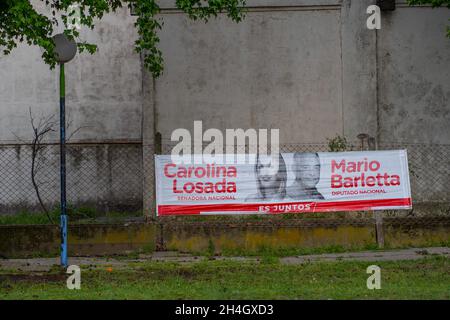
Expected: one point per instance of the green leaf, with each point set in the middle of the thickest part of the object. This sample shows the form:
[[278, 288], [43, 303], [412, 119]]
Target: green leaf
[[19, 21]]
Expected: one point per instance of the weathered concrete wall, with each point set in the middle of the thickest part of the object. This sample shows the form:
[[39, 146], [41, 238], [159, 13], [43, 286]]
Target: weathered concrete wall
[[103, 99], [265, 236], [414, 76], [414, 93], [310, 68], [416, 231], [103, 91], [270, 236], [26, 241], [314, 70], [276, 69]]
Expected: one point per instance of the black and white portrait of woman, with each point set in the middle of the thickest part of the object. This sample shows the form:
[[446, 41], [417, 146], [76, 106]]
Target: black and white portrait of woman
[[306, 167], [271, 179]]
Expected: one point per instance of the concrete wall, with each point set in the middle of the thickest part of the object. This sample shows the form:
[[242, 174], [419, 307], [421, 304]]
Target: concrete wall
[[308, 67], [311, 66], [267, 235], [414, 76], [277, 69], [103, 94], [311, 69], [103, 100], [84, 240]]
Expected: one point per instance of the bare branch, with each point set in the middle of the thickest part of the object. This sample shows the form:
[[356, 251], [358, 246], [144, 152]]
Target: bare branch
[[41, 130], [18, 138], [75, 131], [69, 125], [45, 126]]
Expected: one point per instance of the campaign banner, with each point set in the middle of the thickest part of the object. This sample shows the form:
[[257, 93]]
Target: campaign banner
[[285, 183]]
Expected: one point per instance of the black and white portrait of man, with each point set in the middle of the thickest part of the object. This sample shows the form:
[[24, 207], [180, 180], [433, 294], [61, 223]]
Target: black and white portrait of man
[[271, 179], [306, 168]]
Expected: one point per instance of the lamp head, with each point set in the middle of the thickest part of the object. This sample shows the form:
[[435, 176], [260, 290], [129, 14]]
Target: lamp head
[[65, 48]]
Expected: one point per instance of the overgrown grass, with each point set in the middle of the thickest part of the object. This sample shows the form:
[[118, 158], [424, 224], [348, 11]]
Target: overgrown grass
[[297, 251], [428, 278], [76, 215], [91, 215], [24, 218]]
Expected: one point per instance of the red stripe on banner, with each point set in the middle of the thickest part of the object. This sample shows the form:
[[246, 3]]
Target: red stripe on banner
[[288, 207], [361, 205]]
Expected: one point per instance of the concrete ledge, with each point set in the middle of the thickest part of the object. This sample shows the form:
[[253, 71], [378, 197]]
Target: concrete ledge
[[38, 240], [28, 240], [254, 238], [400, 232], [222, 237], [111, 239]]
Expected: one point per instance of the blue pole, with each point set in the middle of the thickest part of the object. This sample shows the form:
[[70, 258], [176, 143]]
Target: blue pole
[[62, 130]]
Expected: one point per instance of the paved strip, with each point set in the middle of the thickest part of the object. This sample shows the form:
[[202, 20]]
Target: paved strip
[[405, 254], [46, 264]]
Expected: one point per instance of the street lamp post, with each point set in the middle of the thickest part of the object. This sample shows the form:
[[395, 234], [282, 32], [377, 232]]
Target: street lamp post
[[65, 50]]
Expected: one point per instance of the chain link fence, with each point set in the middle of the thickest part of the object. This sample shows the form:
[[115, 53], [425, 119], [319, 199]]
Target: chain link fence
[[101, 177], [114, 177]]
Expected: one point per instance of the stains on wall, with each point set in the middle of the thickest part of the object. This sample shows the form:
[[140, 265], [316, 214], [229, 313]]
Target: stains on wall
[[204, 237], [414, 76]]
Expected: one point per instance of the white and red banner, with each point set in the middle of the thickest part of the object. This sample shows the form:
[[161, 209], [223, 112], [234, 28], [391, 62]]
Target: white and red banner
[[286, 183]]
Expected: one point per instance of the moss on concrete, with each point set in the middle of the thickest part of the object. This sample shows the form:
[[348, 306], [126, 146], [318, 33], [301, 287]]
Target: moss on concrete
[[210, 237]]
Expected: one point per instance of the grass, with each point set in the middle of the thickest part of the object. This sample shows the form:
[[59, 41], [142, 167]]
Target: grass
[[27, 218], [79, 215], [297, 251], [90, 215], [428, 278]]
